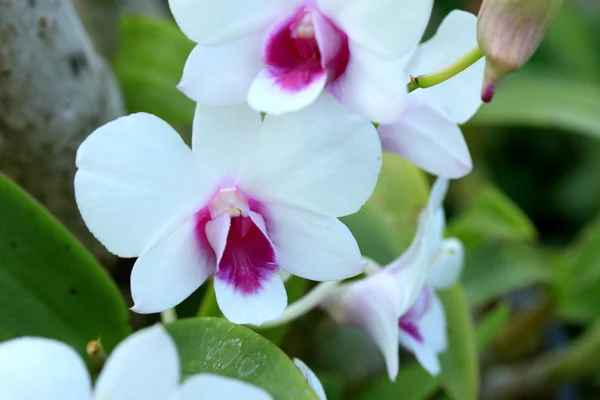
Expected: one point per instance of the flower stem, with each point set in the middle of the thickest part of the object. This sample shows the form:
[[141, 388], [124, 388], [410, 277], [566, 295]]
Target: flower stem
[[304, 305], [168, 316], [450, 71]]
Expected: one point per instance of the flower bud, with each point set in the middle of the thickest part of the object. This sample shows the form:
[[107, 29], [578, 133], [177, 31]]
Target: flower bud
[[509, 32]]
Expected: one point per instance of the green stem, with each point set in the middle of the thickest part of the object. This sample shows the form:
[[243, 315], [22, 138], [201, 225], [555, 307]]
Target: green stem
[[168, 316], [450, 71]]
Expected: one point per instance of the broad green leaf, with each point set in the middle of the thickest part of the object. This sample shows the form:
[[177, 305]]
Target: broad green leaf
[[148, 63], [385, 225], [544, 102], [412, 383], [218, 346], [459, 364], [493, 270], [491, 324], [579, 287], [492, 216], [50, 286]]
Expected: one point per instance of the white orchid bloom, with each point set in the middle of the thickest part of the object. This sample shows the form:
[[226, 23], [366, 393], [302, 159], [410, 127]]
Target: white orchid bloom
[[280, 55], [396, 304], [250, 199], [143, 366], [427, 132]]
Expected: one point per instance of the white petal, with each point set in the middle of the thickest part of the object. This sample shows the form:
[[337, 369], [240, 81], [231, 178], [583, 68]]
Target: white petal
[[312, 246], [323, 158], [217, 231], [374, 305], [143, 366], [210, 386], [266, 305], [312, 378], [268, 94], [448, 264], [372, 86], [211, 22], [224, 138], [36, 368], [386, 27], [460, 97], [222, 74], [171, 270], [135, 175], [432, 327], [426, 138]]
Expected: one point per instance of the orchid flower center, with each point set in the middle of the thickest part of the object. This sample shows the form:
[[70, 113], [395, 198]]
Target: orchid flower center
[[409, 322], [302, 47], [244, 255]]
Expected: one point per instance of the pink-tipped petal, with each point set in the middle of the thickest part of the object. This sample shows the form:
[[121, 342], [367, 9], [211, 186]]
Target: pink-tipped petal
[[222, 75], [276, 91], [426, 138]]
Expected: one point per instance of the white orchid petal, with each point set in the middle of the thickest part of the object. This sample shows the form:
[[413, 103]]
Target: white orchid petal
[[374, 305], [389, 28], [448, 264], [214, 22], [224, 139], [37, 368], [323, 158], [217, 231], [210, 386], [312, 378], [135, 175], [171, 270], [426, 138], [267, 304], [312, 246], [143, 366], [460, 97], [222, 75], [372, 86]]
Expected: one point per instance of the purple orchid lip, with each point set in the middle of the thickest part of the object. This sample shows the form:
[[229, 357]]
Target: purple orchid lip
[[247, 258], [303, 47]]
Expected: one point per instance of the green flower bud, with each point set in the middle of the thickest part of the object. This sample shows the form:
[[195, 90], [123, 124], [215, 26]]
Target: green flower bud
[[509, 32]]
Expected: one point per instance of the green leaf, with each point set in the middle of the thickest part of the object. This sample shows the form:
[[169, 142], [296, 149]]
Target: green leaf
[[491, 324], [494, 270], [492, 216], [412, 383], [50, 285], [544, 102], [579, 286], [148, 63], [385, 226], [459, 364], [218, 346]]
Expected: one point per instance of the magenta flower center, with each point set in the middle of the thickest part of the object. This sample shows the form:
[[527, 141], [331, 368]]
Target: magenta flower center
[[244, 256], [409, 322], [305, 47]]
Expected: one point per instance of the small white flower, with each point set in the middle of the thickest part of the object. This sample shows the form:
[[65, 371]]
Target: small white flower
[[426, 132], [311, 378], [143, 366], [397, 304], [249, 201], [280, 55]]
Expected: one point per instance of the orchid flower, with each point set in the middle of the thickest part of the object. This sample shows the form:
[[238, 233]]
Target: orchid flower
[[280, 55], [250, 200], [396, 304], [143, 366], [426, 132], [311, 378]]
